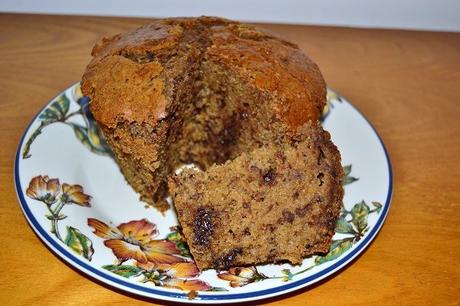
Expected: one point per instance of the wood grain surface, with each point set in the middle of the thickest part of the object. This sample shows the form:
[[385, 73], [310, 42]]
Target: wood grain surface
[[406, 83]]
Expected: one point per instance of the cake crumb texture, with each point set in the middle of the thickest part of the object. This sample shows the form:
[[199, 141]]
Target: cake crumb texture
[[276, 203]]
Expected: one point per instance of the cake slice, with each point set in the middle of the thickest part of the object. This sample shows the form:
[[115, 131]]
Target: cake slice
[[277, 203]]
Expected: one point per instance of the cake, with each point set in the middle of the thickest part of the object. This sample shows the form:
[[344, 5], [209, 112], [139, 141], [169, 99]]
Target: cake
[[243, 106], [196, 90], [276, 203]]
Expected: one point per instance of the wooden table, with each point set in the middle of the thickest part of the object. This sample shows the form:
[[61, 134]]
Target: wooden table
[[406, 83]]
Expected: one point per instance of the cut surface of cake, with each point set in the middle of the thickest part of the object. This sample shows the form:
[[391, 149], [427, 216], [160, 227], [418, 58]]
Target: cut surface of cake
[[196, 90], [279, 202]]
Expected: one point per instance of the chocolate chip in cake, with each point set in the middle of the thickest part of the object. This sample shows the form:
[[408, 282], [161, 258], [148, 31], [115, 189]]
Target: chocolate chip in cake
[[225, 261], [244, 115], [203, 226], [287, 216], [321, 156], [295, 195], [269, 177], [271, 228], [320, 177], [303, 211]]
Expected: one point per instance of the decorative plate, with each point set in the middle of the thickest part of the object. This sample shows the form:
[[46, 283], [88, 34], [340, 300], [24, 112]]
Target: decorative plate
[[77, 201]]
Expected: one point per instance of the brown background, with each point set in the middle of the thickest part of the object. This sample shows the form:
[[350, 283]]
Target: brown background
[[406, 83]]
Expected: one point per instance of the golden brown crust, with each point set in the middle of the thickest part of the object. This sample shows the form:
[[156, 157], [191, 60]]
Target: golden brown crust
[[128, 101], [276, 67], [120, 84], [159, 35]]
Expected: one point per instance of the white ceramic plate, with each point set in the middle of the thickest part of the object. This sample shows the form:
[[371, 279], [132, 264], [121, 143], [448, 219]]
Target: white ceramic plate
[[77, 201]]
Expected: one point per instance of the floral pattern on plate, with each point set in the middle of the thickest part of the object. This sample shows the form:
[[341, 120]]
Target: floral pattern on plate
[[163, 262], [55, 196]]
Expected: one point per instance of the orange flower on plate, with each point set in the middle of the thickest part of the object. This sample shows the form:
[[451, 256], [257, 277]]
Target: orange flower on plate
[[239, 277], [186, 284], [43, 189], [134, 240], [182, 270], [178, 270], [74, 194]]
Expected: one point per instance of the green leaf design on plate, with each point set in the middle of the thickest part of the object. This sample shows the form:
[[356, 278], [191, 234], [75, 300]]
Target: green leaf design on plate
[[359, 214], [58, 218], [78, 242], [288, 275], [347, 179], [57, 110], [343, 226], [217, 289], [347, 169], [378, 206], [174, 236], [123, 270], [338, 247], [184, 251], [177, 238], [81, 133]]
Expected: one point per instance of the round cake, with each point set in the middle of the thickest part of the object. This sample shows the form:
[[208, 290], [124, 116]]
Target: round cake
[[197, 90]]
